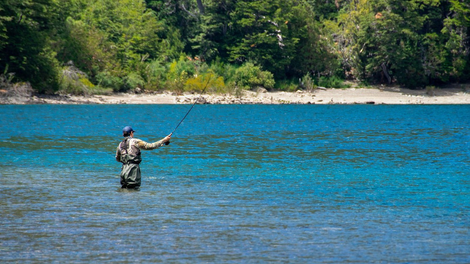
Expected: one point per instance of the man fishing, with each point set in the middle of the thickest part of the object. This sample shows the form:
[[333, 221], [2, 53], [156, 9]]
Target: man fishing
[[128, 153]]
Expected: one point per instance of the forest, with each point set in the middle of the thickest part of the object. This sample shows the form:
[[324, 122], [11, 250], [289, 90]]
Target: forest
[[105, 46]]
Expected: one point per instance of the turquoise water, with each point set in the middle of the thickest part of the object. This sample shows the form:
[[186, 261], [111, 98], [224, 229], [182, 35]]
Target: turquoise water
[[238, 184]]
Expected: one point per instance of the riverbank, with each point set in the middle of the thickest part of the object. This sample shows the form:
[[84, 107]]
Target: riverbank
[[384, 95]]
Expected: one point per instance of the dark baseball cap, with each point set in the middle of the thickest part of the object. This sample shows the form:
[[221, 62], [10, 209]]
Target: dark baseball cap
[[127, 129]]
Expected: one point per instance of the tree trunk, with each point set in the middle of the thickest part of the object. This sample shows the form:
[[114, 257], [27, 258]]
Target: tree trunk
[[200, 6], [384, 68]]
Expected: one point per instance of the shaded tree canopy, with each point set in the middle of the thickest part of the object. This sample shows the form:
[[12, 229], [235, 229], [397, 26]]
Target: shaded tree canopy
[[123, 44]]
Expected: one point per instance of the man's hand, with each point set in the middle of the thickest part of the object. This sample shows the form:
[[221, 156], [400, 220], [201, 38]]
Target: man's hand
[[166, 139]]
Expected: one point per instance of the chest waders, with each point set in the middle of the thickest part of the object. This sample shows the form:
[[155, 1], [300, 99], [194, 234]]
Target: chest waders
[[130, 171]]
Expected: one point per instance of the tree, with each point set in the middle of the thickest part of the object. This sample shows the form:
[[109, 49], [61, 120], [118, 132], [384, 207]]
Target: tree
[[351, 34], [457, 32], [24, 49], [113, 39], [312, 52], [398, 42], [175, 26]]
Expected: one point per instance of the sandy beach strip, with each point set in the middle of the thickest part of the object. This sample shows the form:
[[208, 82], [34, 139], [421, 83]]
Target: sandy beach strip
[[388, 95]]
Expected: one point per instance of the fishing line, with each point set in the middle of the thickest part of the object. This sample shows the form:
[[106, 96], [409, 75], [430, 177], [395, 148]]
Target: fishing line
[[195, 102]]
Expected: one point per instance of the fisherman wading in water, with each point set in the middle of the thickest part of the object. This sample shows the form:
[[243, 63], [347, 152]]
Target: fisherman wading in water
[[128, 153]]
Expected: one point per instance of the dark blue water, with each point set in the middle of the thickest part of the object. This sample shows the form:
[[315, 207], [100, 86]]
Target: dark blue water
[[238, 184]]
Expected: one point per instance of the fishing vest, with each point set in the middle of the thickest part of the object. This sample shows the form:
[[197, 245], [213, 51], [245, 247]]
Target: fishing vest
[[129, 152]]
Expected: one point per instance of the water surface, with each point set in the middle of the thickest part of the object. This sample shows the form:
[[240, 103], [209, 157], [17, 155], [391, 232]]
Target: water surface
[[238, 184]]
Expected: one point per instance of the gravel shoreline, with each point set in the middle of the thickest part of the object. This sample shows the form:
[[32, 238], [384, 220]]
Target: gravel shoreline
[[387, 95]]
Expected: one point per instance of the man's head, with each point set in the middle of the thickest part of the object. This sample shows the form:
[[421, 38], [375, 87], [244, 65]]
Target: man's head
[[127, 131]]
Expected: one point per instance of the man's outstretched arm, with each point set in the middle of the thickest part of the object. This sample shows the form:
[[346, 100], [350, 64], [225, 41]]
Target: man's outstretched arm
[[148, 146]]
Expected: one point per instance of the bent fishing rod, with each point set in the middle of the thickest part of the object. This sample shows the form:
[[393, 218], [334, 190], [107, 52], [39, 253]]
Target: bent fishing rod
[[195, 102]]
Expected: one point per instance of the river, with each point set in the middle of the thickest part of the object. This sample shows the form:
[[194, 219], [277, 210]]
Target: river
[[237, 184]]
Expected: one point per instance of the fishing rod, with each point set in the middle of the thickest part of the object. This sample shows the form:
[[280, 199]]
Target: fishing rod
[[195, 102]]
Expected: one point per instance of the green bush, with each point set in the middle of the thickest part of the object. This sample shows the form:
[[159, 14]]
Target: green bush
[[227, 71], [331, 82], [177, 83], [181, 67], [155, 75], [308, 83], [107, 80], [290, 85], [132, 81], [205, 81], [250, 76], [73, 81]]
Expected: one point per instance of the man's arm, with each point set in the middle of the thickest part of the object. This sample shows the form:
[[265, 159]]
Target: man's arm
[[148, 146], [118, 155]]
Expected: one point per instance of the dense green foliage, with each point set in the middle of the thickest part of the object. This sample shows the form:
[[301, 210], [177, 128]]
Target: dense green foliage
[[25, 27], [94, 46]]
